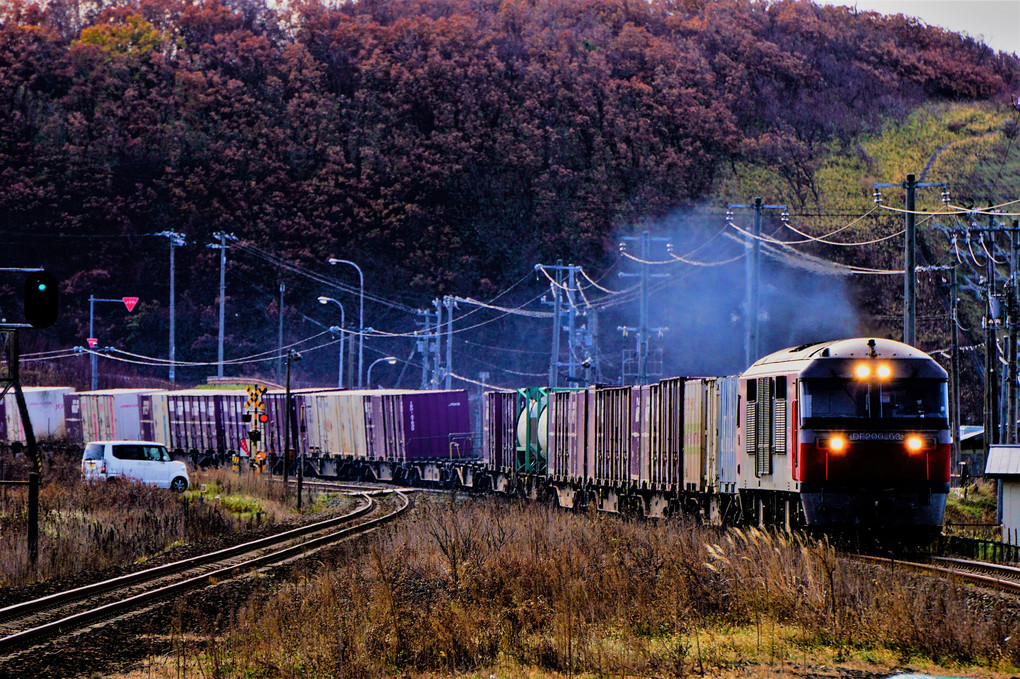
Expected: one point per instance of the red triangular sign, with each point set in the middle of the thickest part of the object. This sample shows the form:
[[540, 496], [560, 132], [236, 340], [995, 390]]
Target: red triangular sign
[[93, 342], [130, 302]]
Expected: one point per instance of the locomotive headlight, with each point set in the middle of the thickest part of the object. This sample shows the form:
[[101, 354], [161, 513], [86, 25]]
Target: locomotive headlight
[[837, 443], [862, 371], [884, 372], [916, 444]]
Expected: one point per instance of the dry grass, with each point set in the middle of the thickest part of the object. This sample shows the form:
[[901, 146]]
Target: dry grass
[[970, 507], [473, 586], [94, 526]]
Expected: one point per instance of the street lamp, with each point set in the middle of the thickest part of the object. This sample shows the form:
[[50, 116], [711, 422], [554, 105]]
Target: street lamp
[[340, 370], [361, 314], [392, 360]]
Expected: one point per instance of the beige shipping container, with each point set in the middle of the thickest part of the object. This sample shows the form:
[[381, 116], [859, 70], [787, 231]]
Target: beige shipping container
[[336, 423], [694, 434], [111, 414], [710, 436]]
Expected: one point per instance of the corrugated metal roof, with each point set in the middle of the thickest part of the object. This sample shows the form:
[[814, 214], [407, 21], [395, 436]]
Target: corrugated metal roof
[[1003, 461]]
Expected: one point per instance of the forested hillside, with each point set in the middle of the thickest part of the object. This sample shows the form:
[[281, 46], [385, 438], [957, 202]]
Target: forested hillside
[[448, 146]]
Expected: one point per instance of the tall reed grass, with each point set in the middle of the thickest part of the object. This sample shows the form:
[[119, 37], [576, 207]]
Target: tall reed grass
[[471, 585]]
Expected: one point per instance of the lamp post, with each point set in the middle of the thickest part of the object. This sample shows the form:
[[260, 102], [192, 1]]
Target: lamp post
[[340, 370], [392, 360], [361, 314]]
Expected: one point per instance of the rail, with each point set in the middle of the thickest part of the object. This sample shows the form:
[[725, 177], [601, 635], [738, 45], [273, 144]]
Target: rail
[[282, 547], [981, 573]]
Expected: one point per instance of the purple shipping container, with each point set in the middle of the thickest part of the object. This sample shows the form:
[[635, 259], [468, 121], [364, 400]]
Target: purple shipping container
[[436, 425], [568, 434], [500, 430], [610, 434], [109, 414], [273, 431], [203, 419], [393, 425]]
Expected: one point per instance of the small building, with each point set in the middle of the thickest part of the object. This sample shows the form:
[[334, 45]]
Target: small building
[[1004, 466]]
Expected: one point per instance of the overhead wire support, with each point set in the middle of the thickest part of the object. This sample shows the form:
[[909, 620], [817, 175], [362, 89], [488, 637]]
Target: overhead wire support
[[752, 316], [642, 330], [910, 249], [579, 337]]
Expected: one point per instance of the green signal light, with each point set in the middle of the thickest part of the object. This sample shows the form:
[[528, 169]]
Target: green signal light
[[42, 287]]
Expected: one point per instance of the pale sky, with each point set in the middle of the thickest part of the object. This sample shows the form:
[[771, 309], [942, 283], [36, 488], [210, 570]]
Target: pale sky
[[994, 22]]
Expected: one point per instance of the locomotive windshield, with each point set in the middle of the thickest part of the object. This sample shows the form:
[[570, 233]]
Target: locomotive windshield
[[897, 399]]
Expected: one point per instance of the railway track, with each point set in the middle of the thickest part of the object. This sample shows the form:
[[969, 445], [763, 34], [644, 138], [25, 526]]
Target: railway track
[[980, 573], [347, 486], [28, 623]]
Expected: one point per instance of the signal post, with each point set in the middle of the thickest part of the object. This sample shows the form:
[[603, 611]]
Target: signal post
[[41, 300], [255, 415]]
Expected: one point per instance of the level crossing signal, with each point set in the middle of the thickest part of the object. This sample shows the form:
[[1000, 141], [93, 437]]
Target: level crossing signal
[[255, 405]]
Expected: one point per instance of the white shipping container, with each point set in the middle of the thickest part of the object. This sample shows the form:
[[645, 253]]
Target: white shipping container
[[45, 408]]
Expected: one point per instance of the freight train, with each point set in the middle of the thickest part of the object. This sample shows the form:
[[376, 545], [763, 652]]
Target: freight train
[[837, 435]]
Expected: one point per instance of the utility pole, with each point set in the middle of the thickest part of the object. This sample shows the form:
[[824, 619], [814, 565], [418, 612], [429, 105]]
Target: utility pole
[[752, 278], [437, 369], [428, 347], [554, 360], [991, 423], [1014, 309], [176, 240], [955, 364], [910, 251], [279, 339], [910, 265], [10, 378], [450, 304], [222, 246]]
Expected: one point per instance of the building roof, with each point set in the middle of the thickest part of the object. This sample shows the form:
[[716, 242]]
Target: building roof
[[1003, 461]]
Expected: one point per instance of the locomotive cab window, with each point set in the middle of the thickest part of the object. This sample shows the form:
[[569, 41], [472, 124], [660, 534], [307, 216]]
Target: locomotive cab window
[[828, 398]]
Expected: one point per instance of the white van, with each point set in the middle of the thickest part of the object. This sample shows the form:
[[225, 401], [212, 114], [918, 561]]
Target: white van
[[142, 461]]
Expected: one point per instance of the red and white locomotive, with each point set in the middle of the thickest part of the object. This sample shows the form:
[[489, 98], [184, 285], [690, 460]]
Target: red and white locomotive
[[850, 433]]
